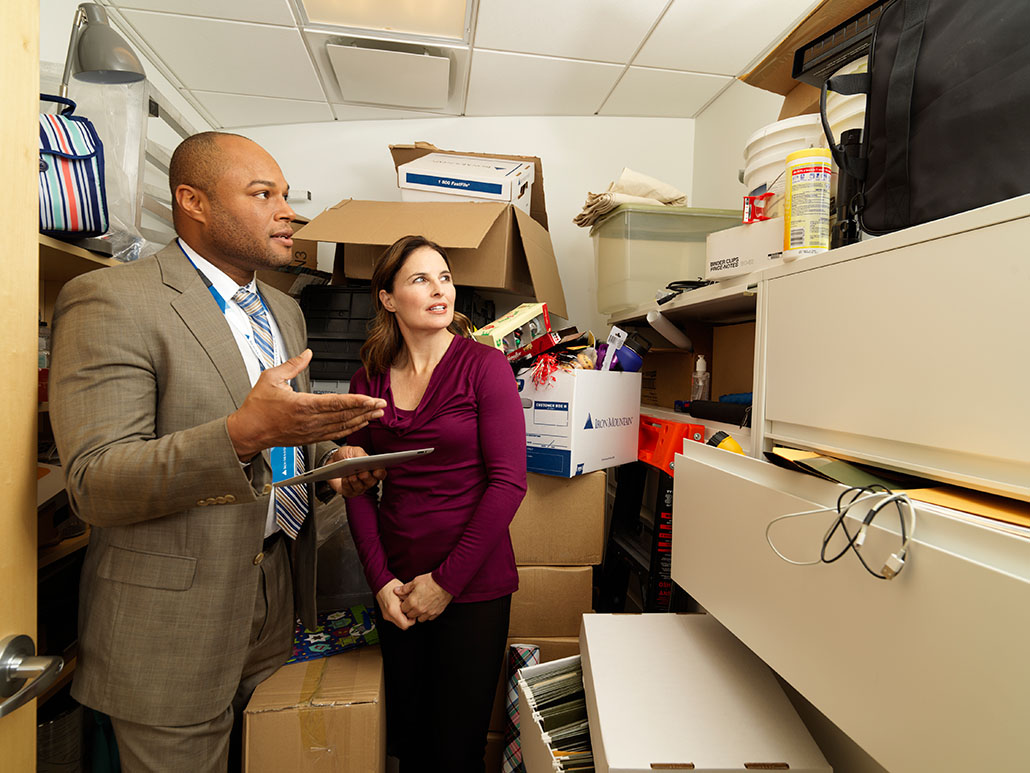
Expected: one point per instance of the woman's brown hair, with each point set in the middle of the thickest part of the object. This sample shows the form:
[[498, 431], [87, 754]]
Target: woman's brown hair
[[385, 344]]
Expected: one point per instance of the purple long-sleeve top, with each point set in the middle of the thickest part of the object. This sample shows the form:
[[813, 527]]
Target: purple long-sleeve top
[[447, 512]]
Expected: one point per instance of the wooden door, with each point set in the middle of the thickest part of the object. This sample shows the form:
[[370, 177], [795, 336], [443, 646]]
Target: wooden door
[[19, 289]]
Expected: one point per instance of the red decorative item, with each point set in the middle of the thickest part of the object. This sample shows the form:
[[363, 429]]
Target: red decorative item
[[544, 370]]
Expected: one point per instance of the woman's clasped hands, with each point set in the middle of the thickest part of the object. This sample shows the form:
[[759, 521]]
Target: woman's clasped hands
[[418, 601]]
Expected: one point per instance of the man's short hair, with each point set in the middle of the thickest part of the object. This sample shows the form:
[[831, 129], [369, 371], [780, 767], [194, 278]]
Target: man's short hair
[[197, 162]]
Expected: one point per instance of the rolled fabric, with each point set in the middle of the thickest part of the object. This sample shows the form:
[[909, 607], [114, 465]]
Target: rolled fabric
[[519, 655], [672, 334]]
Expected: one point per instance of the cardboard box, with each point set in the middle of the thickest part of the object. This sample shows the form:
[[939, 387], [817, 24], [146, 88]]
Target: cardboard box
[[550, 600], [774, 72], [551, 648], [490, 244], [800, 100], [526, 321], [403, 154], [733, 362], [293, 279], [320, 715], [744, 249], [442, 176], [537, 755], [494, 752], [560, 521], [581, 421], [680, 690]]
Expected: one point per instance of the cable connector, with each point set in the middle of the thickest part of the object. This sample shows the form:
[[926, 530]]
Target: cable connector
[[895, 564]]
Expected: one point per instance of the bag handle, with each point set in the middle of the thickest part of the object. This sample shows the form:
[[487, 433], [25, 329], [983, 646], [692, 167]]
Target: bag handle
[[898, 116], [69, 105], [857, 83]]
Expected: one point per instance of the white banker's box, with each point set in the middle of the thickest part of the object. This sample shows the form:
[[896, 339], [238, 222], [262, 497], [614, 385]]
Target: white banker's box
[[444, 176], [581, 421]]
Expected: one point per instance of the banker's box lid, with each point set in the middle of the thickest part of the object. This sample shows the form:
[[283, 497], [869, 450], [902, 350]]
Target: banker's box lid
[[348, 679], [668, 690], [475, 169], [403, 154]]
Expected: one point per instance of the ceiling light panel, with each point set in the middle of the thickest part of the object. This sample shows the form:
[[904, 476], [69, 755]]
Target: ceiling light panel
[[457, 56], [259, 11], [715, 36], [599, 30], [230, 57], [428, 18], [662, 93], [515, 84], [388, 77]]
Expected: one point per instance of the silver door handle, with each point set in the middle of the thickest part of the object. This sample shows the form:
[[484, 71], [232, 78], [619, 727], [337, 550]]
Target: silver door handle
[[18, 666]]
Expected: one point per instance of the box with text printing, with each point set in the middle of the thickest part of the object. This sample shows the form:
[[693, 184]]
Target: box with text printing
[[439, 176], [579, 421]]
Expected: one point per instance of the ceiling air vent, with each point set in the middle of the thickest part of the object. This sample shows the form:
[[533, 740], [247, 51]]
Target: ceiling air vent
[[388, 73]]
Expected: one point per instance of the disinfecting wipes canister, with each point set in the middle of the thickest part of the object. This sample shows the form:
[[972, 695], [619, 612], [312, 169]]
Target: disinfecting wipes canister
[[806, 225]]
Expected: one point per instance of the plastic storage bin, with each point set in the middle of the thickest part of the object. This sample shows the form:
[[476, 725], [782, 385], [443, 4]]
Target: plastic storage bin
[[639, 249], [337, 319]]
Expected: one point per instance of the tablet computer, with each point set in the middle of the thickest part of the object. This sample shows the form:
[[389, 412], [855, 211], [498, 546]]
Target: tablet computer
[[345, 467]]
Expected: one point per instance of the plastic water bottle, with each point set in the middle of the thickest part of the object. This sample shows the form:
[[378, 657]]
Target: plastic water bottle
[[700, 381]]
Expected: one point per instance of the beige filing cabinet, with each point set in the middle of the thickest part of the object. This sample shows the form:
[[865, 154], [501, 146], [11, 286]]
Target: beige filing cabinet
[[909, 351]]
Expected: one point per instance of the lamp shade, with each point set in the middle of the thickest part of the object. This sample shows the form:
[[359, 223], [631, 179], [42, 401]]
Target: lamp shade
[[98, 54], [103, 56]]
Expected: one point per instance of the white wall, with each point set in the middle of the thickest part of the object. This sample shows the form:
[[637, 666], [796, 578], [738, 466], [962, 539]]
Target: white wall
[[720, 135], [352, 160]]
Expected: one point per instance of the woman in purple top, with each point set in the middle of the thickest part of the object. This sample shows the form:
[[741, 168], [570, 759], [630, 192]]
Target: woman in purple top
[[435, 547]]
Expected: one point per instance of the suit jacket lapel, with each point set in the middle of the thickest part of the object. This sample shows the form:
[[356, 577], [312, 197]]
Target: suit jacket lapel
[[199, 312]]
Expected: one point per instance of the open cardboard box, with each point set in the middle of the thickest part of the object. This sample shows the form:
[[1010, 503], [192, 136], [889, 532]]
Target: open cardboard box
[[490, 244]]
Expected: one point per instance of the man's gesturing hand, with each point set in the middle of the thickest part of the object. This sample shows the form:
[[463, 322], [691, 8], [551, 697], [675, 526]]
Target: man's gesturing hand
[[274, 415]]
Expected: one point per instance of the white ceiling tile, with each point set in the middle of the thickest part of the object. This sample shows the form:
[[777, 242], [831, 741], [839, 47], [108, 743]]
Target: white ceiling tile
[[230, 57], [516, 84], [458, 56], [235, 110], [662, 93], [599, 30], [716, 36], [260, 11], [366, 113]]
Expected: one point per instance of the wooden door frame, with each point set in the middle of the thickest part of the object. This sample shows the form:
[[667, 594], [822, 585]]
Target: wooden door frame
[[19, 308]]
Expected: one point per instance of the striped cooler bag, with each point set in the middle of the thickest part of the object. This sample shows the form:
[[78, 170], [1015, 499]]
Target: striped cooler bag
[[72, 199]]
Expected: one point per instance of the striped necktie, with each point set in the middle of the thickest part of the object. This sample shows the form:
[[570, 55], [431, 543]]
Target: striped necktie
[[291, 502]]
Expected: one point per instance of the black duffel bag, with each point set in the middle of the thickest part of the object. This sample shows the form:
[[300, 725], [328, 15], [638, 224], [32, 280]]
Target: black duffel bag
[[947, 121]]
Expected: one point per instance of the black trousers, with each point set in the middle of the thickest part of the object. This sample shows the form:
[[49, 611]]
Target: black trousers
[[441, 677]]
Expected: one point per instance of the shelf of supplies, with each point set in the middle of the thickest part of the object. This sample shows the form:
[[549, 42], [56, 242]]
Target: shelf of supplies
[[740, 434], [70, 660], [60, 261], [729, 301], [49, 555]]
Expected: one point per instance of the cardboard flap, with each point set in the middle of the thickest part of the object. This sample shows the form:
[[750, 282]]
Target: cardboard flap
[[542, 266], [459, 224], [346, 679], [402, 154]]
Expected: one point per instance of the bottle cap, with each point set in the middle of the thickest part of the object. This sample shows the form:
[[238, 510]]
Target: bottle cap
[[700, 366]]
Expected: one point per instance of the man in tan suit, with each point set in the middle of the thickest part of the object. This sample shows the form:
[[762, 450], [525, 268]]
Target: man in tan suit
[[165, 411]]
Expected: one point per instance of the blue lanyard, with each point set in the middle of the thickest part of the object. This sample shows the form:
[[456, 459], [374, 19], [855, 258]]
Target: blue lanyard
[[221, 301]]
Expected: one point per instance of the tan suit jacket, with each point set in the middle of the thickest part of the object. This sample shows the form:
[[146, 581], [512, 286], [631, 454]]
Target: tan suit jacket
[[145, 372]]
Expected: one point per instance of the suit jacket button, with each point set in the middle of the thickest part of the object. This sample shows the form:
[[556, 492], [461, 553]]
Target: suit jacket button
[[201, 502], [229, 499], [268, 488], [259, 558], [220, 500]]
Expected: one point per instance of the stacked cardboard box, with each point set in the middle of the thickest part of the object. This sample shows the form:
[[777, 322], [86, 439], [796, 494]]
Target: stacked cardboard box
[[558, 535], [320, 715]]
